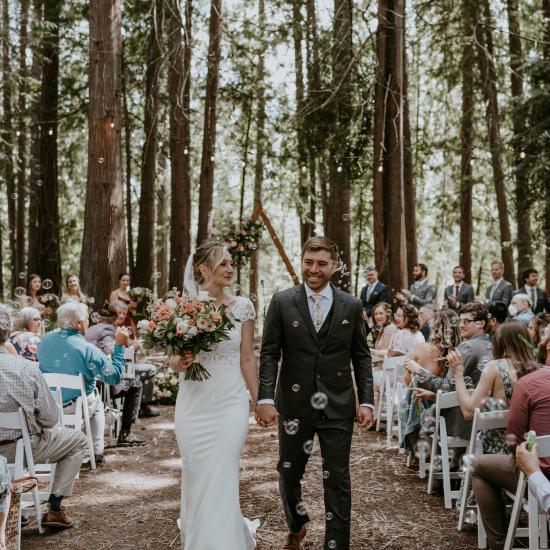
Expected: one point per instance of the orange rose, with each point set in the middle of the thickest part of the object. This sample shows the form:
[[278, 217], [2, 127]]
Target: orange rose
[[152, 326], [164, 313], [215, 316]]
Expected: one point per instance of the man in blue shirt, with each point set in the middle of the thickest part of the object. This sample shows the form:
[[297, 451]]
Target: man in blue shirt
[[66, 351]]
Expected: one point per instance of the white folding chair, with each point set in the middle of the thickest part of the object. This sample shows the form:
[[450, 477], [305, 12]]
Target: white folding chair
[[393, 369], [492, 420], [82, 414], [445, 442], [23, 456], [538, 522]]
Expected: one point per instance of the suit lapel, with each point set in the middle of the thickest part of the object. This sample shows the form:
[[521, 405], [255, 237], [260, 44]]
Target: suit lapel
[[301, 303], [337, 312]]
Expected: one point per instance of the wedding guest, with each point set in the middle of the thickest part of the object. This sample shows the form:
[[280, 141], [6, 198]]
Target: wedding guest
[[426, 313], [102, 335], [421, 291], [520, 309], [73, 292], [22, 385], [120, 294], [67, 352], [539, 299], [536, 327], [28, 333], [528, 462], [459, 293], [124, 317], [544, 347], [529, 410], [512, 360], [33, 290], [374, 293], [5, 498], [500, 290], [407, 334], [498, 313]]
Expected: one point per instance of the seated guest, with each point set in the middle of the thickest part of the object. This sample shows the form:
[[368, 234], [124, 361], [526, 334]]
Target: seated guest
[[22, 385], [72, 292], [528, 462], [407, 335], [529, 410], [459, 293], [537, 326], [5, 497], [125, 318], [544, 347], [539, 299], [426, 315], [512, 360], [102, 335], [28, 332], [520, 309], [66, 351], [33, 290], [498, 313], [500, 290], [372, 294]]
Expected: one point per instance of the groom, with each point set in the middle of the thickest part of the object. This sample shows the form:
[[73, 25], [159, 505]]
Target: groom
[[319, 331]]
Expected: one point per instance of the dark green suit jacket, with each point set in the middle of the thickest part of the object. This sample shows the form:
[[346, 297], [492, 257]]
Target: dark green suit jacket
[[311, 364]]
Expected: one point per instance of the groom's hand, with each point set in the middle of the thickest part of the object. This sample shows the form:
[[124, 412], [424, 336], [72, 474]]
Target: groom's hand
[[364, 417], [266, 415]]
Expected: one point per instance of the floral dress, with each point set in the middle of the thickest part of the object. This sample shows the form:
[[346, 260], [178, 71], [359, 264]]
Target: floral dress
[[5, 485], [26, 344]]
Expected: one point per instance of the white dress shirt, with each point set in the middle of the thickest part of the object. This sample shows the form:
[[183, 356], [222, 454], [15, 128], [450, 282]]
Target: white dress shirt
[[540, 487], [494, 287], [370, 289], [327, 297]]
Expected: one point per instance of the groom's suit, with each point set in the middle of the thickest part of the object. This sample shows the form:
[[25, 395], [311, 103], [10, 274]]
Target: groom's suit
[[315, 362]]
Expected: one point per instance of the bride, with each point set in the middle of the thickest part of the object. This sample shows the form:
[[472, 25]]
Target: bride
[[212, 416]]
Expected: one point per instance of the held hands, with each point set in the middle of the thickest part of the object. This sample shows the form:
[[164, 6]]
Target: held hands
[[420, 394], [455, 363], [364, 417], [122, 336], [179, 363], [266, 415], [527, 462], [412, 366]]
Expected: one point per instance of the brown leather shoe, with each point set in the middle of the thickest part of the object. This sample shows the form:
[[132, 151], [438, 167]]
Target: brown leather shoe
[[294, 540], [59, 519]]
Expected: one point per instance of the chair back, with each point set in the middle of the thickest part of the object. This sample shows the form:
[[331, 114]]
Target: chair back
[[491, 420], [446, 400], [67, 381], [129, 354], [543, 446], [10, 420]]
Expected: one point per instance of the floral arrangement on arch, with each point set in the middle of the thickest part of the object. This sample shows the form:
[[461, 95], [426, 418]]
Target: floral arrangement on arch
[[244, 239]]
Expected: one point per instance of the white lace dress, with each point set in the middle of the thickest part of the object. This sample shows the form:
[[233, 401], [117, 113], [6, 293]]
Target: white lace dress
[[211, 428]]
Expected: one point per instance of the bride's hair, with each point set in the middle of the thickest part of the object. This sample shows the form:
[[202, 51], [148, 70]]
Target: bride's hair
[[210, 254]]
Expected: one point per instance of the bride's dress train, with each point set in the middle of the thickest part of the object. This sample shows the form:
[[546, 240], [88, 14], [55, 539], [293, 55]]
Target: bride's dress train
[[211, 428]]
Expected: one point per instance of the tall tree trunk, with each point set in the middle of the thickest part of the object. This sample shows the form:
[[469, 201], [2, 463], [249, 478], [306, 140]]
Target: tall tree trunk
[[546, 57], [523, 196], [206, 192], [260, 148], [390, 243], [48, 254], [145, 253], [103, 243], [179, 91], [22, 137], [161, 236], [467, 138], [489, 85], [8, 135], [128, 167], [35, 177]]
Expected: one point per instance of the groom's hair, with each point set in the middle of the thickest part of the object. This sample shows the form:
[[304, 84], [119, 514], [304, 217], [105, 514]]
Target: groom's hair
[[314, 244]]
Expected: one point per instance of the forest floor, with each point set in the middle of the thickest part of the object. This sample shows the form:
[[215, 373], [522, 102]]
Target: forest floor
[[133, 501]]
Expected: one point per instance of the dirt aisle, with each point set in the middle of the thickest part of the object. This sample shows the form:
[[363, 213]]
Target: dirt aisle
[[133, 502]]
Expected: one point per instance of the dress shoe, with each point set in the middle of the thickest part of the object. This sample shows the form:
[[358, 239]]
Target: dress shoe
[[148, 412], [294, 540], [99, 460], [57, 519], [126, 439]]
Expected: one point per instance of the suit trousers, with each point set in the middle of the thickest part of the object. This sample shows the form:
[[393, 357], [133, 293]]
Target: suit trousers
[[294, 450], [490, 474]]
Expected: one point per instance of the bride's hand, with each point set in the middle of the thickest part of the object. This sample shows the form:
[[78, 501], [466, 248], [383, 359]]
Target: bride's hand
[[179, 363]]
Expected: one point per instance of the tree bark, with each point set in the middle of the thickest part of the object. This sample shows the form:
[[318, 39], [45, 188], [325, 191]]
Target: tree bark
[[523, 196], [145, 253], [179, 91], [48, 253], [260, 148], [103, 243], [489, 85], [546, 57], [467, 138], [162, 238], [206, 192]]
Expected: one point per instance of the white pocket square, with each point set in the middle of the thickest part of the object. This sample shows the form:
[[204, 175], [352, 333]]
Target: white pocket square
[[345, 322]]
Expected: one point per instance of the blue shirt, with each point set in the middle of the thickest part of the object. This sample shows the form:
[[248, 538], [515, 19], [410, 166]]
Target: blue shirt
[[524, 317], [68, 352]]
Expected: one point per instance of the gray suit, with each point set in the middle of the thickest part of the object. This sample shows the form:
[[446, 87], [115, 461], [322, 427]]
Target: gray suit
[[422, 293], [465, 296], [315, 362], [503, 293]]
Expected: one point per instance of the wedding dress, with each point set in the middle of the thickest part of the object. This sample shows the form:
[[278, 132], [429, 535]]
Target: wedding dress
[[211, 428]]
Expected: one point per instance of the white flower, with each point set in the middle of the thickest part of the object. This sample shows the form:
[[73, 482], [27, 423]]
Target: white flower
[[202, 323], [143, 326], [171, 303], [181, 326], [192, 331]]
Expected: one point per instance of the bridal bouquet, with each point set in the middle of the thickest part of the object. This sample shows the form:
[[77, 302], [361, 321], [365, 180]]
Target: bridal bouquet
[[179, 324], [142, 297]]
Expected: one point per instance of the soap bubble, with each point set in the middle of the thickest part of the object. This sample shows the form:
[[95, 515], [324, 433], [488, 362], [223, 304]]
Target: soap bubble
[[291, 427], [308, 447], [319, 400], [301, 509], [19, 291], [296, 387], [47, 284]]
